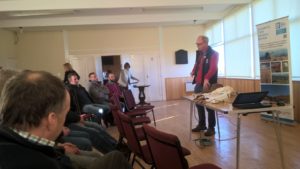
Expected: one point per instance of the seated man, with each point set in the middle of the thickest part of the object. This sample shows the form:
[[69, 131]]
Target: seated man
[[100, 139], [79, 138], [99, 94], [113, 86], [114, 89], [81, 102], [34, 105]]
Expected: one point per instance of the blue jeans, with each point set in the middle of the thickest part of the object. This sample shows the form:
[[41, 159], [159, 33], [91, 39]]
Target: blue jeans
[[100, 139], [100, 110], [97, 109], [80, 139], [201, 112]]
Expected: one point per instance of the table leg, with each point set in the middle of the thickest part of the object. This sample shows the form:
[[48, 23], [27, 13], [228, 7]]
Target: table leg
[[191, 117], [238, 140], [217, 118], [276, 123], [142, 96]]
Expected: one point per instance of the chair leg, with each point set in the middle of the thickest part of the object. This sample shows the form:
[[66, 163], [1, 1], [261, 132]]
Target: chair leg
[[129, 157], [137, 161], [153, 118], [120, 140], [133, 159], [140, 164]]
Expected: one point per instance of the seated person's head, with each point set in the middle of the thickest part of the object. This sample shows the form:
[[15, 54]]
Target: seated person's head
[[126, 65], [93, 76], [36, 102], [67, 66], [73, 79], [111, 77]]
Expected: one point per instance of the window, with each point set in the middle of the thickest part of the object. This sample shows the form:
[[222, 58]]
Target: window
[[238, 44], [235, 37], [215, 34]]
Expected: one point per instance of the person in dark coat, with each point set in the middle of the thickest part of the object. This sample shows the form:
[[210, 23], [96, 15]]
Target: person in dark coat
[[34, 105], [33, 110], [69, 69]]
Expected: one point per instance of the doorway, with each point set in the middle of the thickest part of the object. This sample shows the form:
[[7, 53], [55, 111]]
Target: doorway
[[110, 64]]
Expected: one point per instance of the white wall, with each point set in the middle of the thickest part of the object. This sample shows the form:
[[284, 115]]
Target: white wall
[[45, 50], [7, 49], [175, 38], [41, 51]]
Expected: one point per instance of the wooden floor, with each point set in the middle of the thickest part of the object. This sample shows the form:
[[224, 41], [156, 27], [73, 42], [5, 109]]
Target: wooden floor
[[259, 149]]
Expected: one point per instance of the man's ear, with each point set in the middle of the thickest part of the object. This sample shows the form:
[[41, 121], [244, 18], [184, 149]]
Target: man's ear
[[52, 120]]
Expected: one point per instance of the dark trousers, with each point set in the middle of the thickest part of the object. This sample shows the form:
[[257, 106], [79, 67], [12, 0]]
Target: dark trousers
[[100, 139], [80, 139], [201, 112]]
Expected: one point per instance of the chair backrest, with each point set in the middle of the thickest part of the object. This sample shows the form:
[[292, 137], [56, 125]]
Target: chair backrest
[[116, 102], [114, 89], [130, 134], [117, 120], [165, 149], [129, 99]]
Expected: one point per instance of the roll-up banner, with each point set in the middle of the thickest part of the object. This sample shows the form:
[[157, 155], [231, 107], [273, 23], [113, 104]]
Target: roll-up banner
[[275, 64]]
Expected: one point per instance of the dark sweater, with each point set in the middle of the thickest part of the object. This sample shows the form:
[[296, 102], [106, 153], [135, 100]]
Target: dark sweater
[[18, 153]]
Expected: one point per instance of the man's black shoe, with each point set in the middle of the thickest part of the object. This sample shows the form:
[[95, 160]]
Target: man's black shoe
[[198, 129], [210, 132]]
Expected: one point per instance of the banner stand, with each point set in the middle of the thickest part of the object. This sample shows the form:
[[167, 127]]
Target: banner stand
[[275, 65]]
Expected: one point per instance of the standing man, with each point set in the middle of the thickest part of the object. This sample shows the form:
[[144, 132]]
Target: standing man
[[205, 73], [125, 76]]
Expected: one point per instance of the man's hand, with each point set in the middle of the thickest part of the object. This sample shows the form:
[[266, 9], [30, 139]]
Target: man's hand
[[70, 148], [192, 74], [82, 117], [206, 85], [66, 131]]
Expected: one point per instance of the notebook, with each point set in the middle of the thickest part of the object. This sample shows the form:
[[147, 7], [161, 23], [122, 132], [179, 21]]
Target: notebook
[[250, 100]]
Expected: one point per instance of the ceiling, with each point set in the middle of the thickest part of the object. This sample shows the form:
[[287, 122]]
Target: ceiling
[[67, 14]]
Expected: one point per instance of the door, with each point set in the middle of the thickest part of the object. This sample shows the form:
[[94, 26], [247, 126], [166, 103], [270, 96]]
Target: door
[[83, 65], [145, 67]]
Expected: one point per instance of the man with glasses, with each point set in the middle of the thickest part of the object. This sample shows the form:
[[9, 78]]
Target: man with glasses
[[205, 73]]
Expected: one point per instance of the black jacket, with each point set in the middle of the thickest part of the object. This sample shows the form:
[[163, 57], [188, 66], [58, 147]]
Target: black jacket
[[79, 97], [18, 153]]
